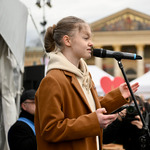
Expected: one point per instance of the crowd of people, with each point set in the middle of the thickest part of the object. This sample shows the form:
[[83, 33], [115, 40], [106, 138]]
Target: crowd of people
[[66, 113], [128, 128]]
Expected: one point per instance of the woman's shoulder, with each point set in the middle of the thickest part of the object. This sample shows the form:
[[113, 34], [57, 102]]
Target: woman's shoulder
[[54, 72], [53, 75], [57, 76]]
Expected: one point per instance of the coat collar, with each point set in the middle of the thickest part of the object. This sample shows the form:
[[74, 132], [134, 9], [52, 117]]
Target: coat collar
[[78, 88]]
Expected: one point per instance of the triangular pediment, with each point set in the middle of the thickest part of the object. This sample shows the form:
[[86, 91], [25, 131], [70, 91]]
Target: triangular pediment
[[125, 20]]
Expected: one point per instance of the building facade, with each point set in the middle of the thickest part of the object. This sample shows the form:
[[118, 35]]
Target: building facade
[[125, 31]]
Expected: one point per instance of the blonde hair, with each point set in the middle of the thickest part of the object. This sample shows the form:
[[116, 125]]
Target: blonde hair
[[55, 33]]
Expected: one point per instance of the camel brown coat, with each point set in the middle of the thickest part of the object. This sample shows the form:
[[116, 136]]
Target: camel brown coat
[[63, 117]]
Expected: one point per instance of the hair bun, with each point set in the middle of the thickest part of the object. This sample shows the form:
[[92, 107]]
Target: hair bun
[[49, 42], [54, 26]]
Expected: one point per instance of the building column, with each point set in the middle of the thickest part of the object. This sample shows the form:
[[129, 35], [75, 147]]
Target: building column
[[99, 61], [117, 71], [140, 63]]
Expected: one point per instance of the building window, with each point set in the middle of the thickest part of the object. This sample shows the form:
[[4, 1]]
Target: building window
[[128, 49], [131, 74], [147, 51]]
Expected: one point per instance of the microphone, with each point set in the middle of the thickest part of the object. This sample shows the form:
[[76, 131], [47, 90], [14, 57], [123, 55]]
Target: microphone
[[113, 54]]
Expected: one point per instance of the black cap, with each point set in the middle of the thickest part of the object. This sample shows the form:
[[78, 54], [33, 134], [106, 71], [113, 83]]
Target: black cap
[[29, 94]]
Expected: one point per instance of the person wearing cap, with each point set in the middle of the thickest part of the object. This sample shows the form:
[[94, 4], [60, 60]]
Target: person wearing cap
[[21, 135]]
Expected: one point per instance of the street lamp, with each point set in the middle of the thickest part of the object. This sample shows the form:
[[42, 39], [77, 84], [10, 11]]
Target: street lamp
[[44, 22], [38, 3], [48, 3]]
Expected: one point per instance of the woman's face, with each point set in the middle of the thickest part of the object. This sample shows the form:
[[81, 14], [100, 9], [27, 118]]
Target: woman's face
[[81, 43]]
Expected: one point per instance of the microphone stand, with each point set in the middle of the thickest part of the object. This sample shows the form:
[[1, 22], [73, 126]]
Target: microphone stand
[[145, 127]]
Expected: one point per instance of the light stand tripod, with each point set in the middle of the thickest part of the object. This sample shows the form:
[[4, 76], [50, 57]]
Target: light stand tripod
[[145, 127]]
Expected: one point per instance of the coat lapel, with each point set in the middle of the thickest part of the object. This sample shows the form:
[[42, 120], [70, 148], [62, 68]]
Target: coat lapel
[[78, 88]]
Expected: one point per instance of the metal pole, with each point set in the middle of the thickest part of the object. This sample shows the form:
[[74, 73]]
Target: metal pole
[[145, 127]]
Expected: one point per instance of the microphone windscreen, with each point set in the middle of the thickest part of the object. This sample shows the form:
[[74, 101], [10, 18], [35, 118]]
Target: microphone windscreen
[[96, 52]]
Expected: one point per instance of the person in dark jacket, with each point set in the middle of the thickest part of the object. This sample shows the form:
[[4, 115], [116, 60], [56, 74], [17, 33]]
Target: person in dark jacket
[[128, 130], [21, 135]]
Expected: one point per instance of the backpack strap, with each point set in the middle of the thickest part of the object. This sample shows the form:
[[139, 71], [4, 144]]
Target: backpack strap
[[28, 122]]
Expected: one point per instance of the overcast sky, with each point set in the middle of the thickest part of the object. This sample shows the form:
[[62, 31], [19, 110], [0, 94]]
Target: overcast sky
[[89, 10]]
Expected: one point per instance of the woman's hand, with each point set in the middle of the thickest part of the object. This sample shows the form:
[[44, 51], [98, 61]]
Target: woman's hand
[[105, 120], [125, 91]]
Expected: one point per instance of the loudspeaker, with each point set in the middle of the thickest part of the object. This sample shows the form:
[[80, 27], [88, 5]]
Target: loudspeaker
[[32, 76]]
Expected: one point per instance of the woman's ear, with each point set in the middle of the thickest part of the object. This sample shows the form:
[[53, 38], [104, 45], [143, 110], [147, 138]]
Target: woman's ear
[[66, 40]]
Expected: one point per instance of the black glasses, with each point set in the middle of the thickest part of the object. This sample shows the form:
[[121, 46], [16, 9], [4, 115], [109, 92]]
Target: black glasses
[[30, 102]]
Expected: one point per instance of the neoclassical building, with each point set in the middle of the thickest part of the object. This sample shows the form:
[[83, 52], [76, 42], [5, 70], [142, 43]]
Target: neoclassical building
[[125, 31]]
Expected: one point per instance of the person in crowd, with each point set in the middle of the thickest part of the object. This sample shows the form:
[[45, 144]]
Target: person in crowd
[[146, 104], [128, 129], [69, 114], [148, 100], [21, 135]]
